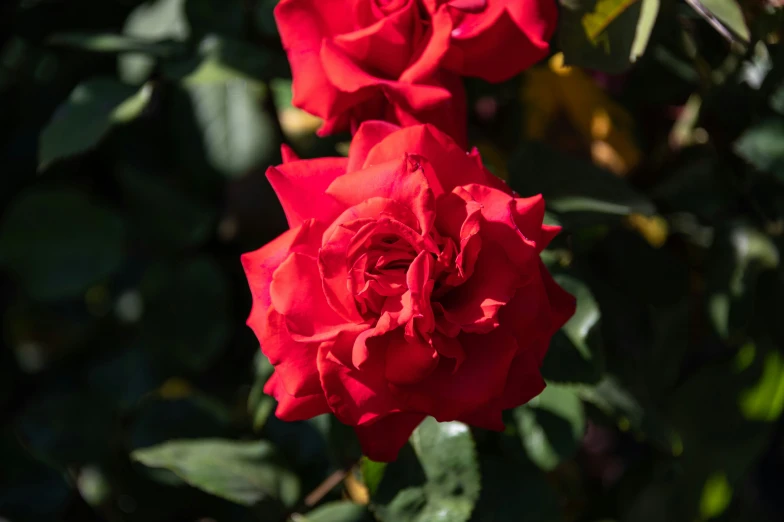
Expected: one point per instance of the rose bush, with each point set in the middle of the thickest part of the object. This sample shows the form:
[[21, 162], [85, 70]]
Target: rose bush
[[401, 60], [409, 284]]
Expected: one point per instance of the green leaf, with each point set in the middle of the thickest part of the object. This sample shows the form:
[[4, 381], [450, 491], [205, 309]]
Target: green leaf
[[87, 115], [762, 145], [551, 426], [260, 406], [237, 134], [187, 323], [58, 242], [222, 59], [608, 35], [575, 353], [739, 255], [155, 22], [337, 512], [116, 43], [438, 480], [164, 216], [726, 16], [245, 472], [572, 186], [372, 473]]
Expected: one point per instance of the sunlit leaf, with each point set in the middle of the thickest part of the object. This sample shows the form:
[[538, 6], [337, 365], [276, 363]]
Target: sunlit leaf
[[116, 43], [438, 480], [338, 512], [575, 353], [726, 16], [245, 472], [87, 115], [237, 134], [551, 426], [607, 35], [762, 145], [157, 21]]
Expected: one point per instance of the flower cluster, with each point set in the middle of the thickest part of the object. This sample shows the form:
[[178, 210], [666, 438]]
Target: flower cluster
[[402, 60], [409, 283]]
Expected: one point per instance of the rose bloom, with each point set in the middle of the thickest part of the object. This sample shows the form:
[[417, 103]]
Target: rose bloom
[[401, 60], [409, 284]]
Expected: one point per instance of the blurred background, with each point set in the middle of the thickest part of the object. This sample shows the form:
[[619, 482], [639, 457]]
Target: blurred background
[[134, 137]]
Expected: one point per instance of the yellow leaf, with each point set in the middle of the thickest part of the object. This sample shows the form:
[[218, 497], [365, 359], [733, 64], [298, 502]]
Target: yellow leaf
[[604, 13]]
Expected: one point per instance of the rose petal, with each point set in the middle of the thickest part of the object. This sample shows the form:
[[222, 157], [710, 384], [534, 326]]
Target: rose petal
[[537, 311], [302, 25], [451, 165], [548, 233], [507, 220], [295, 362], [525, 26], [382, 440], [475, 304], [562, 303], [300, 187], [357, 397], [524, 381], [294, 408], [348, 76], [260, 264], [401, 180], [448, 395], [409, 361], [287, 154], [488, 417], [368, 135], [297, 294], [382, 45], [432, 50]]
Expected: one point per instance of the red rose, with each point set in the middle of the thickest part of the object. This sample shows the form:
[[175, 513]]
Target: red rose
[[361, 60], [400, 60], [497, 39], [409, 285]]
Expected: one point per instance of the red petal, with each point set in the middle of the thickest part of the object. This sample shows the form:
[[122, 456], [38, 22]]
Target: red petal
[[401, 180], [488, 417], [350, 77], [295, 362], [260, 264], [294, 408], [451, 165], [448, 395], [381, 44], [287, 154], [382, 440], [302, 25], [357, 397], [300, 187], [524, 26], [524, 381], [475, 304], [297, 294], [368, 135], [408, 361]]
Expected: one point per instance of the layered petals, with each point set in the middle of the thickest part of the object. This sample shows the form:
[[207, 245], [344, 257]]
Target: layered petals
[[409, 286]]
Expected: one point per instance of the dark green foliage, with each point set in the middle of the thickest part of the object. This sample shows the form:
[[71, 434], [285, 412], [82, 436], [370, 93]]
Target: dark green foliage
[[133, 143]]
